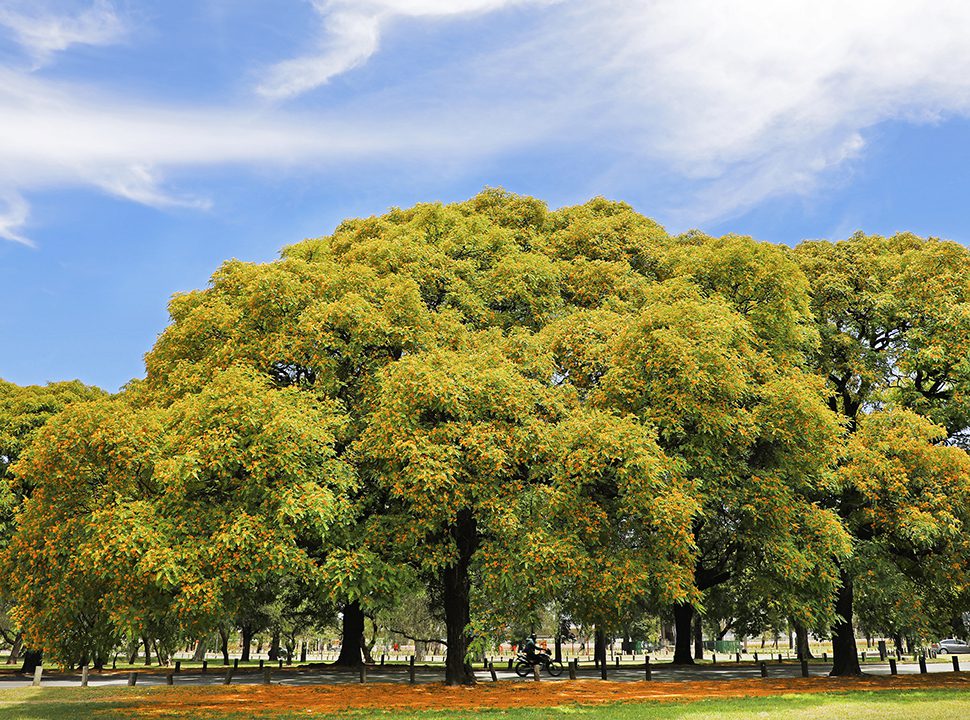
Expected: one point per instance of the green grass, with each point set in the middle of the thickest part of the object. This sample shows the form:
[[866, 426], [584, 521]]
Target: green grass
[[93, 704]]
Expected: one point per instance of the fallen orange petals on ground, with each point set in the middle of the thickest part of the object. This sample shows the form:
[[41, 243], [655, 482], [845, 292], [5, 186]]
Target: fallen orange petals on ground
[[162, 702]]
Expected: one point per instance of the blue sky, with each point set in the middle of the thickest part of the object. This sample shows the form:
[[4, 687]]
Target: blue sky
[[143, 142]]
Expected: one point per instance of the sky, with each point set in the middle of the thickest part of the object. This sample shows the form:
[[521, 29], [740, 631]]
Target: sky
[[144, 142]]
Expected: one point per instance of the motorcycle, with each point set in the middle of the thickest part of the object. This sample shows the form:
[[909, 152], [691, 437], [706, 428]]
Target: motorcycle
[[523, 666]]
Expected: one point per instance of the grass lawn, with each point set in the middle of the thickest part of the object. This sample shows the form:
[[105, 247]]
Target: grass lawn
[[99, 704]]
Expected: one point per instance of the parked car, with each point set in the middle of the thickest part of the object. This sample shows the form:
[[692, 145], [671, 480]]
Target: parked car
[[952, 647]]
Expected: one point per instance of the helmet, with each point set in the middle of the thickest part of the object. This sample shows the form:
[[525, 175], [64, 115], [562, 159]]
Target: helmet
[[533, 636]]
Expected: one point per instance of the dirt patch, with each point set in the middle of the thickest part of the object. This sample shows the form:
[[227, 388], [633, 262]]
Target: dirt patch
[[257, 700]]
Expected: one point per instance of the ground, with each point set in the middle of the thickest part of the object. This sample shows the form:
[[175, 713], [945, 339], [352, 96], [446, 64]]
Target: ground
[[927, 697]]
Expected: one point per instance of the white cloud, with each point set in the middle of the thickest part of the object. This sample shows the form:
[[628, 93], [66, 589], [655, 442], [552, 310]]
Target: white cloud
[[737, 102], [757, 98], [13, 217], [41, 30], [350, 34]]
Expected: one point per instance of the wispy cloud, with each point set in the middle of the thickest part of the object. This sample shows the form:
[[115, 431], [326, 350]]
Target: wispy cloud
[[42, 29], [350, 33], [738, 102], [13, 214]]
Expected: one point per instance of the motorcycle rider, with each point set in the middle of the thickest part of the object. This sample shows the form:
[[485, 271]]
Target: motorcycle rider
[[531, 650]]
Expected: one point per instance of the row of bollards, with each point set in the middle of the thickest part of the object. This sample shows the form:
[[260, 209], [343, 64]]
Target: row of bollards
[[573, 667]]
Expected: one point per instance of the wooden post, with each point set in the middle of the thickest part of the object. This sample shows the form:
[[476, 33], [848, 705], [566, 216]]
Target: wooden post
[[535, 672], [382, 660], [892, 666], [510, 663], [491, 670], [647, 674], [922, 664], [363, 672], [713, 659], [572, 669], [956, 664], [205, 666], [281, 663], [863, 656], [737, 657], [84, 676], [261, 663], [227, 679], [235, 663], [764, 669], [170, 678], [38, 673], [804, 668], [411, 670], [132, 678], [178, 666], [779, 659], [603, 670], [267, 676], [756, 657], [618, 661], [825, 657]]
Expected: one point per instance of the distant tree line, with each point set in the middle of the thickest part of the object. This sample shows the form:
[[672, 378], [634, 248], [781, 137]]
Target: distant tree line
[[498, 412]]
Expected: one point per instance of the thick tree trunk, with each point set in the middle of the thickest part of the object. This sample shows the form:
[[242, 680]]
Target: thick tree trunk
[[456, 584], [247, 642], [32, 658], [303, 649], [698, 638], [845, 657], [802, 651], [274, 646], [148, 649], [18, 644], [683, 617], [199, 654], [898, 642], [352, 636]]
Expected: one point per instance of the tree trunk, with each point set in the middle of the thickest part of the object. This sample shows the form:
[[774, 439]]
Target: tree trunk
[[224, 645], [456, 584], [148, 649], [599, 647], [352, 634], [18, 644], [957, 626], [558, 648], [274, 646], [698, 638], [802, 650], [32, 658], [247, 641], [898, 642], [303, 649], [683, 615], [199, 654], [845, 657]]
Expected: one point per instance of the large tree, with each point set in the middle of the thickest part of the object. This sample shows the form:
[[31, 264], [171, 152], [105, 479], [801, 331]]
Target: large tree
[[893, 315]]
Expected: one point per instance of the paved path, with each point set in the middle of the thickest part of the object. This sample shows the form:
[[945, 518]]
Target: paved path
[[661, 672]]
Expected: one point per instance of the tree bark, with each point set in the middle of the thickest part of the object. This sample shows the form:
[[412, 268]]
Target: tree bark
[[845, 657], [274, 646], [599, 647], [456, 584], [199, 654], [802, 650], [558, 648], [18, 643], [698, 638], [148, 649], [224, 645], [247, 641], [683, 616], [32, 658], [352, 634]]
